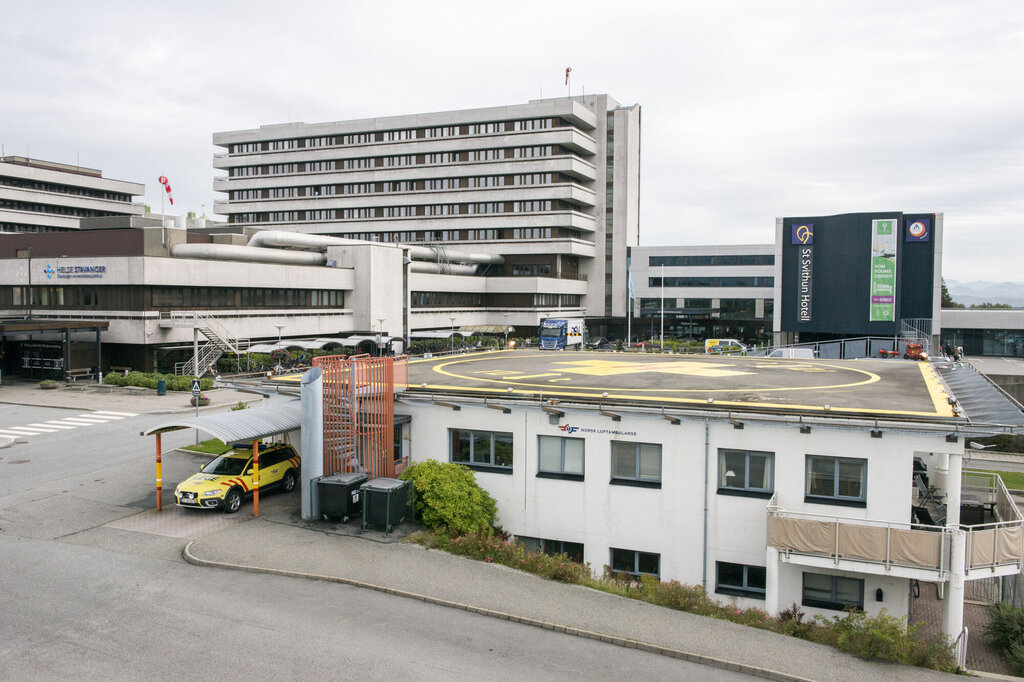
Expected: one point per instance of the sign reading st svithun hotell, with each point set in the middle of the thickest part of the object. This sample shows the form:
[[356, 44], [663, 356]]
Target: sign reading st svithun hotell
[[883, 271], [803, 235]]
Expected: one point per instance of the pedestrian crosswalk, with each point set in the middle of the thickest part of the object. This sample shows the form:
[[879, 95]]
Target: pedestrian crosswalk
[[57, 425]]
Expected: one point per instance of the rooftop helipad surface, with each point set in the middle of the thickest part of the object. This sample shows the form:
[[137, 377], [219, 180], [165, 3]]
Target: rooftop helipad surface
[[890, 388]]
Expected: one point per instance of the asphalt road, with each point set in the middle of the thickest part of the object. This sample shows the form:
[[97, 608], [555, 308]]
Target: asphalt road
[[83, 600]]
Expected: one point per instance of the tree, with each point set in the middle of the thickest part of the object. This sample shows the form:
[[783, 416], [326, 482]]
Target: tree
[[993, 306], [947, 300]]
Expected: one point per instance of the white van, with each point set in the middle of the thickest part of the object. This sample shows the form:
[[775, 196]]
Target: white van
[[724, 346]]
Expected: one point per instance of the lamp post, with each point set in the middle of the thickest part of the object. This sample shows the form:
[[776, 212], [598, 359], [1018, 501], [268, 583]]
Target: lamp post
[[453, 331], [380, 333], [30, 283], [279, 328], [505, 315]]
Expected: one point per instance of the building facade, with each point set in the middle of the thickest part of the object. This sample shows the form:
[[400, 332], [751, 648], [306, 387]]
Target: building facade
[[43, 196], [551, 186], [704, 291]]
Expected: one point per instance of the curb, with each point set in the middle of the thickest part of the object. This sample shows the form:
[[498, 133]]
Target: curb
[[624, 642]]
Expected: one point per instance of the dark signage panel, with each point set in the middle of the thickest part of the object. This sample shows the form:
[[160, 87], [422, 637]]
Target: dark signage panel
[[830, 264]]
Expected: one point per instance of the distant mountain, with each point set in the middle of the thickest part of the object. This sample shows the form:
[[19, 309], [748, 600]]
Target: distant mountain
[[973, 293]]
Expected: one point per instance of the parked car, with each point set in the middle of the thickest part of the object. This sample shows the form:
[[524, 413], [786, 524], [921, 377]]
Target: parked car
[[724, 346], [597, 342], [227, 480]]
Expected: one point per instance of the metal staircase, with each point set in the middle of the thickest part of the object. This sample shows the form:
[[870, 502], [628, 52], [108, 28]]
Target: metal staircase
[[917, 330], [444, 263], [219, 341]]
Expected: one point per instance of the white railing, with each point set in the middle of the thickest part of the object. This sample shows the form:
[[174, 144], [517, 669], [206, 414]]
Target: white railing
[[960, 648], [996, 544]]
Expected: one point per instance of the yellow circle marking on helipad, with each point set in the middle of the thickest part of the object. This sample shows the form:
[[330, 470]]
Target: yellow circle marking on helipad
[[704, 368]]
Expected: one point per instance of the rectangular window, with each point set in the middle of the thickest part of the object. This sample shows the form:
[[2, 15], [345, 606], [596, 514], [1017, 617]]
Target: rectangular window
[[636, 464], [560, 457], [740, 580], [836, 480], [482, 450], [636, 563], [574, 550], [743, 472], [832, 592]]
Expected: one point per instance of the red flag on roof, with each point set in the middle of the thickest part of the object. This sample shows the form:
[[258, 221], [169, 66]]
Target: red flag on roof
[[568, 69], [167, 188]]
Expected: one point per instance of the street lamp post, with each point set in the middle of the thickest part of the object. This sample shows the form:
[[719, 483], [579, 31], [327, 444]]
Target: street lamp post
[[506, 329], [453, 332], [279, 328]]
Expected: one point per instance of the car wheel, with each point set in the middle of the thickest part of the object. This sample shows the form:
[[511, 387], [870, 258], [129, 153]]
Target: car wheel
[[288, 483], [233, 501]]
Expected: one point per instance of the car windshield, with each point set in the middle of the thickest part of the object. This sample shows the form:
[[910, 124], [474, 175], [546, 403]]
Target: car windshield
[[225, 465], [555, 332]]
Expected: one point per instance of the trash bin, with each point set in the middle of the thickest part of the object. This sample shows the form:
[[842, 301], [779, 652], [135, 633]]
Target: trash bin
[[385, 502], [161, 387], [340, 495]]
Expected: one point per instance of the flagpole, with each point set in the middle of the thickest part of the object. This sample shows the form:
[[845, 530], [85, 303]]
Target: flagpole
[[663, 307]]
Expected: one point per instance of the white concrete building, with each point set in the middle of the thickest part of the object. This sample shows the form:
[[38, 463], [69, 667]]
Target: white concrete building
[[551, 186], [44, 196], [719, 291], [727, 472]]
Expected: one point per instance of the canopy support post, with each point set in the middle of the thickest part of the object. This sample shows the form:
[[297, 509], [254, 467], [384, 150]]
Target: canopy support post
[[159, 477], [255, 478]]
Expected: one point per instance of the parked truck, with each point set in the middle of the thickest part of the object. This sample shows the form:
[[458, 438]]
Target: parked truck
[[561, 333]]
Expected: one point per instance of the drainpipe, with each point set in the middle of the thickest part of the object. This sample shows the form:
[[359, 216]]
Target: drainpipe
[[312, 443], [707, 465]]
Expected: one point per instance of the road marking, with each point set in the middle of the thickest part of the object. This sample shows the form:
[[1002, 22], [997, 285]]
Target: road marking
[[25, 431], [49, 425], [92, 420], [10, 434], [120, 414], [78, 422], [100, 417]]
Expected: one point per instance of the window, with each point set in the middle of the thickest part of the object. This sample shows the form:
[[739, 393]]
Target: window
[[832, 591], [560, 457], [742, 472], [482, 450], [836, 480], [574, 550], [636, 563], [740, 580], [636, 464]]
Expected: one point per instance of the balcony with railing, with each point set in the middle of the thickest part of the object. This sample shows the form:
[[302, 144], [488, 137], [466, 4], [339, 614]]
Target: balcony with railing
[[990, 522]]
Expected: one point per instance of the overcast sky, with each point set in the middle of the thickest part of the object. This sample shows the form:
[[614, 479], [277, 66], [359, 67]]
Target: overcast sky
[[751, 109]]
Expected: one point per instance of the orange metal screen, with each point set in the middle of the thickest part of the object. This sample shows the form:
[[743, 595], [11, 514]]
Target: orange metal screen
[[359, 413]]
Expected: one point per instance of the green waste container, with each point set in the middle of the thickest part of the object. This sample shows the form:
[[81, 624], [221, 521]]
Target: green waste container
[[161, 387]]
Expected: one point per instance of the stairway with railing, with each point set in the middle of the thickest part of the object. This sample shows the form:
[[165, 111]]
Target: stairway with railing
[[219, 341]]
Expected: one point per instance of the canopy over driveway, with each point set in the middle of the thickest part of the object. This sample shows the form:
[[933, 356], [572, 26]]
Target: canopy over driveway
[[233, 427]]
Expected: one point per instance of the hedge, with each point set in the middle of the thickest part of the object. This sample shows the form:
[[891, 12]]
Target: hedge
[[174, 382]]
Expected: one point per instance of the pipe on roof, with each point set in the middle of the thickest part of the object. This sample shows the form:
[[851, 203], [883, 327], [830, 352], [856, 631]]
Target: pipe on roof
[[302, 240], [438, 269], [247, 254]]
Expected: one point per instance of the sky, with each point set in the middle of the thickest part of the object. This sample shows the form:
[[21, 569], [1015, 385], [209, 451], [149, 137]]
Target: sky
[[750, 109]]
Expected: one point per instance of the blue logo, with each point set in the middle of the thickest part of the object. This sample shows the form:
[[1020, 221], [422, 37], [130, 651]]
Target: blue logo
[[568, 429], [48, 270], [801, 234]]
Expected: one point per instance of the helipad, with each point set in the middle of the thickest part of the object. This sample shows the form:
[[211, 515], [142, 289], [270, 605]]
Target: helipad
[[880, 387]]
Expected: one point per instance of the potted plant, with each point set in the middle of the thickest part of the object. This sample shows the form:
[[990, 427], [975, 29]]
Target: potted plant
[[203, 400], [48, 384]]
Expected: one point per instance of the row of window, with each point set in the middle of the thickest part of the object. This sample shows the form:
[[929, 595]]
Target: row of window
[[134, 298], [712, 281], [434, 159], [728, 308], [486, 234], [40, 186], [448, 299], [398, 135], [51, 209], [675, 261], [833, 480], [410, 211]]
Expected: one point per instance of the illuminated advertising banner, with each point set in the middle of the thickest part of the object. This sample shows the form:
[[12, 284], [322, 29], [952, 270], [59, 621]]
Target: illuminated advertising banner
[[919, 230], [803, 234], [883, 271]]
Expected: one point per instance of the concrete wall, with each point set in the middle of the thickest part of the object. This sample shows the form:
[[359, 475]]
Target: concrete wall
[[670, 521]]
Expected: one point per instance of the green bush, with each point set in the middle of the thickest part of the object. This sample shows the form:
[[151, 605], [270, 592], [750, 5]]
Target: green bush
[[448, 497], [47, 383], [884, 637], [146, 380], [1006, 627]]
